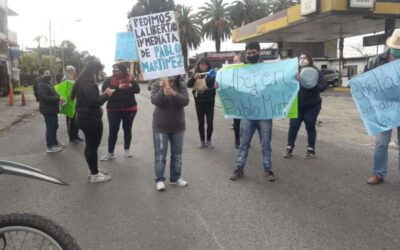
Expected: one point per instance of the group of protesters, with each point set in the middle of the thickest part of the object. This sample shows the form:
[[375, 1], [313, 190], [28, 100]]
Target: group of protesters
[[170, 96]]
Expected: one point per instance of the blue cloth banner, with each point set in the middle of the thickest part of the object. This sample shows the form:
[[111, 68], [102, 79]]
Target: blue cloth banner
[[258, 91], [376, 94], [126, 47]]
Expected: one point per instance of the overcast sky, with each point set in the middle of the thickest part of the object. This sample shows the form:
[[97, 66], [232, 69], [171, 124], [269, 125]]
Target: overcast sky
[[96, 30]]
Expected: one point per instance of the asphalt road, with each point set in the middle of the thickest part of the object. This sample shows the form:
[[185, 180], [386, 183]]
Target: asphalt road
[[322, 203]]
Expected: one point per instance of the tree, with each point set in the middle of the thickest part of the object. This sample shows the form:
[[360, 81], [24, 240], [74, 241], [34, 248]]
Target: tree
[[29, 63], [190, 27], [38, 39], [217, 26], [145, 7], [247, 11], [278, 5]]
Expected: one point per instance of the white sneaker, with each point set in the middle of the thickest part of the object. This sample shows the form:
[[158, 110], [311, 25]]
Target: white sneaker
[[160, 186], [54, 149], [181, 182], [128, 154], [107, 157], [101, 171], [99, 178], [60, 145]]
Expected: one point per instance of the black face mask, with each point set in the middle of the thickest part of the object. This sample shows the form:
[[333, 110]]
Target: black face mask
[[46, 78], [253, 59]]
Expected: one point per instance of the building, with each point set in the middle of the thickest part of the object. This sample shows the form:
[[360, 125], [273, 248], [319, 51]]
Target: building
[[8, 39]]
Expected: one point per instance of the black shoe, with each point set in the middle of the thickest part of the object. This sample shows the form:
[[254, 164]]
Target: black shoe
[[269, 175], [237, 144], [79, 139], [289, 151], [310, 153], [237, 174]]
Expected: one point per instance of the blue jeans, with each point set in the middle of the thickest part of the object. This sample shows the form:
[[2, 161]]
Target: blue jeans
[[381, 152], [309, 116], [247, 129], [51, 121], [160, 141]]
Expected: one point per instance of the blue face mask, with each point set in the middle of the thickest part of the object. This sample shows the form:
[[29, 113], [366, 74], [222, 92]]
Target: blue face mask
[[395, 52]]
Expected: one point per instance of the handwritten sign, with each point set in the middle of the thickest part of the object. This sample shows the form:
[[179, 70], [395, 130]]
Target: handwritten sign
[[377, 97], [126, 47], [157, 41], [259, 91]]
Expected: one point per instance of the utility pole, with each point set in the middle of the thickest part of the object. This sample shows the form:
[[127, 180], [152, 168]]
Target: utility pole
[[51, 54]]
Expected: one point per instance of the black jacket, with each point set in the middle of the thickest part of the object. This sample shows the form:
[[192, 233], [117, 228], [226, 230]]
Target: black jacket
[[48, 98], [121, 98], [377, 61], [311, 97], [88, 104], [206, 96]]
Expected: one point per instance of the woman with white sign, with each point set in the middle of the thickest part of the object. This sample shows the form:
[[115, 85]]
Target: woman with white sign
[[312, 83], [203, 84]]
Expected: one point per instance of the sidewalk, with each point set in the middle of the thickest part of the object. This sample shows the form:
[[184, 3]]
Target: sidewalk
[[11, 115]]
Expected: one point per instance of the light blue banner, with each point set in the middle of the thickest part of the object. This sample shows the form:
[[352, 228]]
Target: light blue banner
[[126, 47], [377, 97], [258, 91]]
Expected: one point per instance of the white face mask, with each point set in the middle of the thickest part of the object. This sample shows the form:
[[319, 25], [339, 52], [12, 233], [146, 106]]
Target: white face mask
[[303, 62]]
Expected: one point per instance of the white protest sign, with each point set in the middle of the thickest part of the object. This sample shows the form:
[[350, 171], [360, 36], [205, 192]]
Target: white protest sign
[[158, 46]]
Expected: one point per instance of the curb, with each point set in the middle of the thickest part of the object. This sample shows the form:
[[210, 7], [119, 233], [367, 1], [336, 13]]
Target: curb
[[341, 89]]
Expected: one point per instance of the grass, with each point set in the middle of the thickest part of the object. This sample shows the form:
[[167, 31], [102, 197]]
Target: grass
[[25, 89]]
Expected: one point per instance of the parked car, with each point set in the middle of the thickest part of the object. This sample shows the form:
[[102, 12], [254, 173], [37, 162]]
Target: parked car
[[331, 76]]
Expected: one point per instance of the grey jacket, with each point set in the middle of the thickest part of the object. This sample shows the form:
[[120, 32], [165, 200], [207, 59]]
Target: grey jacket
[[169, 115]]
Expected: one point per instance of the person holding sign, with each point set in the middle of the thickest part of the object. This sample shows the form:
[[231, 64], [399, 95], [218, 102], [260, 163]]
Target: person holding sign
[[236, 122], [248, 127], [89, 115], [121, 106], [383, 138], [169, 97], [312, 83], [203, 85]]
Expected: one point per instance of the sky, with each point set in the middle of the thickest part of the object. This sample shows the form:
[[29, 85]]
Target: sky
[[92, 25]]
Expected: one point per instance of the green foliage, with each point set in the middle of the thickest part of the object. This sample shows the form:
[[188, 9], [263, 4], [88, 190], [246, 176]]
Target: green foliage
[[278, 5], [246, 11], [29, 62], [217, 26]]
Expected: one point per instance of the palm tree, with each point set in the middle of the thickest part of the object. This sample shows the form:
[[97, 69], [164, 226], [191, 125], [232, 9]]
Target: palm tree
[[247, 11], [217, 26], [278, 5], [190, 27], [145, 7]]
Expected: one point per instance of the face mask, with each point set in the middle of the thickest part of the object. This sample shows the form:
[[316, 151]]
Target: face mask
[[253, 59], [47, 78], [395, 52], [303, 62]]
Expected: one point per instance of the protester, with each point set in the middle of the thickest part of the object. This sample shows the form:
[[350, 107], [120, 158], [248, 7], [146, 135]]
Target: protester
[[169, 97], [121, 106], [49, 103], [239, 58], [383, 138], [248, 127], [204, 97], [89, 115], [309, 106], [64, 89]]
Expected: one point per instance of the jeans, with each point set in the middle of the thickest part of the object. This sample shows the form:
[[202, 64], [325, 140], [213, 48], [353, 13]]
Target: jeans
[[114, 120], [205, 109], [160, 141], [247, 129], [309, 116], [51, 121], [93, 132], [73, 129], [381, 152]]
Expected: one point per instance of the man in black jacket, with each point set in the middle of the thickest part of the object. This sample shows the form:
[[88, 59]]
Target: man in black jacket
[[49, 103], [383, 138]]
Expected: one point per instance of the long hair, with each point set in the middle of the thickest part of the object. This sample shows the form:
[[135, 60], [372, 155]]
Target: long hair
[[89, 74], [203, 60], [122, 68], [309, 58]]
